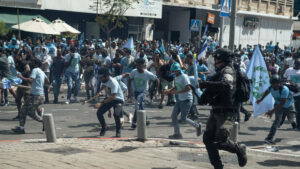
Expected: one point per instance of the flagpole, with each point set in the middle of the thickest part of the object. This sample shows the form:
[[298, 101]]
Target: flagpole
[[232, 25]]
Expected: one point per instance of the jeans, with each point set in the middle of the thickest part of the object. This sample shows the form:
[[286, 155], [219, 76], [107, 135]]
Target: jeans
[[240, 108], [140, 97], [70, 77], [88, 79], [56, 86], [276, 123], [46, 88], [182, 107], [297, 107], [104, 108]]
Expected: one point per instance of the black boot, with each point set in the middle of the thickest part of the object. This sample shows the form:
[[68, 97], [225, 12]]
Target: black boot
[[242, 155], [118, 134]]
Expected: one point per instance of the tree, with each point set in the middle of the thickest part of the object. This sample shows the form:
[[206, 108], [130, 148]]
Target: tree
[[111, 14], [3, 30]]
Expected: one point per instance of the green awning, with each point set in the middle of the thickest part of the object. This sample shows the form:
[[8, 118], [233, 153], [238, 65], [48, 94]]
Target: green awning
[[12, 19]]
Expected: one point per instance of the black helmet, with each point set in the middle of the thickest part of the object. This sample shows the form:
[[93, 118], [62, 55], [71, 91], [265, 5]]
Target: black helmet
[[275, 79], [223, 54]]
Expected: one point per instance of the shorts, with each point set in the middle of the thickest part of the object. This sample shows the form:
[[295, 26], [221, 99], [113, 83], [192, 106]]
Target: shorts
[[165, 85]]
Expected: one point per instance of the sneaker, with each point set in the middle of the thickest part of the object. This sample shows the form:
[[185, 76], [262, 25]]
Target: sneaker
[[172, 103], [102, 132], [176, 136], [160, 106], [130, 117], [294, 125], [247, 117], [6, 104], [199, 131], [133, 125], [269, 141], [46, 102], [122, 122], [147, 123], [76, 100], [18, 130], [118, 134], [242, 155], [68, 101], [42, 112], [16, 118], [55, 101]]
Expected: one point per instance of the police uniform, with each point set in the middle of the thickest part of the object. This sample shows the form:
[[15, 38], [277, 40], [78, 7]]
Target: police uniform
[[219, 93]]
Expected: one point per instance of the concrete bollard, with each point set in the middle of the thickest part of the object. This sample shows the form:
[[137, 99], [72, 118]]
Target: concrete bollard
[[49, 128], [234, 132], [141, 125]]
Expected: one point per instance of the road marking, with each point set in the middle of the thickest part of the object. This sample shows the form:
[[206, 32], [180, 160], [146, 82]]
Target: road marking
[[65, 109]]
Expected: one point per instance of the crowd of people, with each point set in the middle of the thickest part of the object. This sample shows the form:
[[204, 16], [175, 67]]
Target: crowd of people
[[148, 71]]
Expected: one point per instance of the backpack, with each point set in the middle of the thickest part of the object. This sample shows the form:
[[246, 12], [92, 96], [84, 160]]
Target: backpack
[[292, 86], [242, 93]]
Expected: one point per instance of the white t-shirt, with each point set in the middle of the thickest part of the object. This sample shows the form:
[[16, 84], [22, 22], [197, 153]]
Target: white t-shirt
[[293, 75], [114, 88], [289, 61], [181, 82]]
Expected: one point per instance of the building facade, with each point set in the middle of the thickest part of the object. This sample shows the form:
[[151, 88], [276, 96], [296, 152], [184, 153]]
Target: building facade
[[257, 21]]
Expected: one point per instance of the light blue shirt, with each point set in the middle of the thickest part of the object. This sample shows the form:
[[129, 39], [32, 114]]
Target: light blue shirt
[[114, 88], [202, 68], [74, 66], [181, 82], [13, 66], [125, 67], [37, 86], [122, 85], [283, 94], [141, 80]]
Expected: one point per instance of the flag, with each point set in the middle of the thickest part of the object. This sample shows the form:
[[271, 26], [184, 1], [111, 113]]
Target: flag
[[162, 47], [179, 48], [129, 44], [258, 73], [203, 50], [195, 69], [225, 8], [205, 30]]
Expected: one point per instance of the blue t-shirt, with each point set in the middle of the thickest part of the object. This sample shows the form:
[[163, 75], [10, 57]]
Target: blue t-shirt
[[74, 66], [126, 68], [114, 88], [37, 86], [284, 93], [141, 80], [122, 85], [202, 68], [181, 82]]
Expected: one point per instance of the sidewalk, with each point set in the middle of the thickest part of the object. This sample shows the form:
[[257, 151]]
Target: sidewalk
[[125, 153]]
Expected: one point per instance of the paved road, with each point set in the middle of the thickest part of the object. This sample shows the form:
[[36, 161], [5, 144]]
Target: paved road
[[76, 120]]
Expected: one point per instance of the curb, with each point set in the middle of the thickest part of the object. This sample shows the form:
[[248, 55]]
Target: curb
[[163, 140]]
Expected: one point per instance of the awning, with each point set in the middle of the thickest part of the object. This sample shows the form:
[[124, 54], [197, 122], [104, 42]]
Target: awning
[[12, 18]]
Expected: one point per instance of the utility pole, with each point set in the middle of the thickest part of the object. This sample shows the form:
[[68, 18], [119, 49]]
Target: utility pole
[[19, 31], [221, 31], [232, 24]]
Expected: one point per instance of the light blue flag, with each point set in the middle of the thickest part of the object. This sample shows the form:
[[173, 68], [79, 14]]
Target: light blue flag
[[162, 47], [258, 73], [129, 44], [203, 50]]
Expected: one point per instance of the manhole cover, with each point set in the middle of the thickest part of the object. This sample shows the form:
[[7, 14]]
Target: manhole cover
[[65, 150]]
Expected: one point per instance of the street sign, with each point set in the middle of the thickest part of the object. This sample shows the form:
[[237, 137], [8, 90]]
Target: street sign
[[195, 25], [210, 18]]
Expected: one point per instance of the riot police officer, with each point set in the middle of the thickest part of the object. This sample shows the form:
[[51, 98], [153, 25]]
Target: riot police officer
[[219, 93]]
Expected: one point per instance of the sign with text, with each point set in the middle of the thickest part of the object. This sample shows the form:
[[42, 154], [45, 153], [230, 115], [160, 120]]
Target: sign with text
[[211, 18]]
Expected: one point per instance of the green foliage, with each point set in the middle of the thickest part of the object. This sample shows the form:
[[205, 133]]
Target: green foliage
[[3, 30], [112, 14]]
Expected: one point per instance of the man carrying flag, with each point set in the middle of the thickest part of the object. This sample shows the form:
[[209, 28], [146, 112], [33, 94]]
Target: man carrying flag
[[257, 72]]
